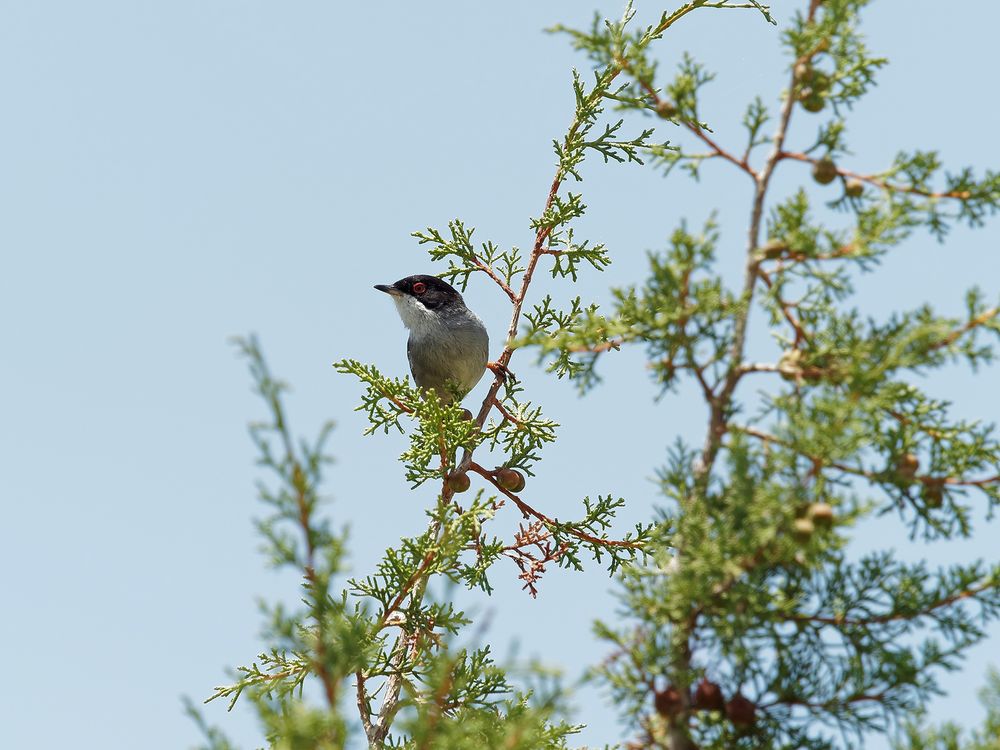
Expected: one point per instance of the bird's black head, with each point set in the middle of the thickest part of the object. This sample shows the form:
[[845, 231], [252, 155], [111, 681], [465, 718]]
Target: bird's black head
[[430, 291]]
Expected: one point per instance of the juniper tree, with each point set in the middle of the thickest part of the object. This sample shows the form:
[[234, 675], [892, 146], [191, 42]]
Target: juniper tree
[[748, 622]]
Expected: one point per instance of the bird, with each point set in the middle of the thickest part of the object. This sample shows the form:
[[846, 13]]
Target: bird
[[448, 348]]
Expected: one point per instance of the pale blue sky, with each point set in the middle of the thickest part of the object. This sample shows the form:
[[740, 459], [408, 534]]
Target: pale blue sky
[[173, 173]]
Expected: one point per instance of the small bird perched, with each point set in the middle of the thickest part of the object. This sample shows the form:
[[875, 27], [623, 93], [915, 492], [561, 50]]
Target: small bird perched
[[448, 346]]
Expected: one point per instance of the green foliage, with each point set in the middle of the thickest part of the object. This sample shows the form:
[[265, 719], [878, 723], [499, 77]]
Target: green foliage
[[463, 258], [682, 92], [680, 310], [912, 176], [439, 550]]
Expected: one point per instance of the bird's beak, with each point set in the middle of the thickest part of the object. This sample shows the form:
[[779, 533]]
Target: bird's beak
[[389, 290]]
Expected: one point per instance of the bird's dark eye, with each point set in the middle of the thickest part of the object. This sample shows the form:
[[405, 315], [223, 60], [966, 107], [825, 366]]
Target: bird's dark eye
[[419, 287]]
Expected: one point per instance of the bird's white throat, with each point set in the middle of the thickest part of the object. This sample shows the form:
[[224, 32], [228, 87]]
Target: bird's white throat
[[417, 318]]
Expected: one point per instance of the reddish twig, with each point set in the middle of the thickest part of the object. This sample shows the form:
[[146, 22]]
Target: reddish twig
[[488, 270], [879, 182], [531, 566], [605, 346], [528, 511], [824, 706], [767, 437], [874, 476], [841, 620], [694, 127], [411, 582], [506, 414], [786, 311], [977, 321], [794, 256]]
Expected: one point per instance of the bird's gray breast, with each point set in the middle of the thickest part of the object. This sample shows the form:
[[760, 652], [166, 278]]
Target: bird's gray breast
[[450, 354]]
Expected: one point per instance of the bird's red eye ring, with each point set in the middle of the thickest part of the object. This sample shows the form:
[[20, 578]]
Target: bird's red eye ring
[[419, 287]]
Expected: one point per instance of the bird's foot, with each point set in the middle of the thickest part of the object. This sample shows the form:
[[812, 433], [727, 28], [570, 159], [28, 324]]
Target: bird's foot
[[501, 371]]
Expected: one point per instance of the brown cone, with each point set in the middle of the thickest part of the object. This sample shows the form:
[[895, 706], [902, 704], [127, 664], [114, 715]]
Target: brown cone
[[741, 711], [708, 697], [668, 702]]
